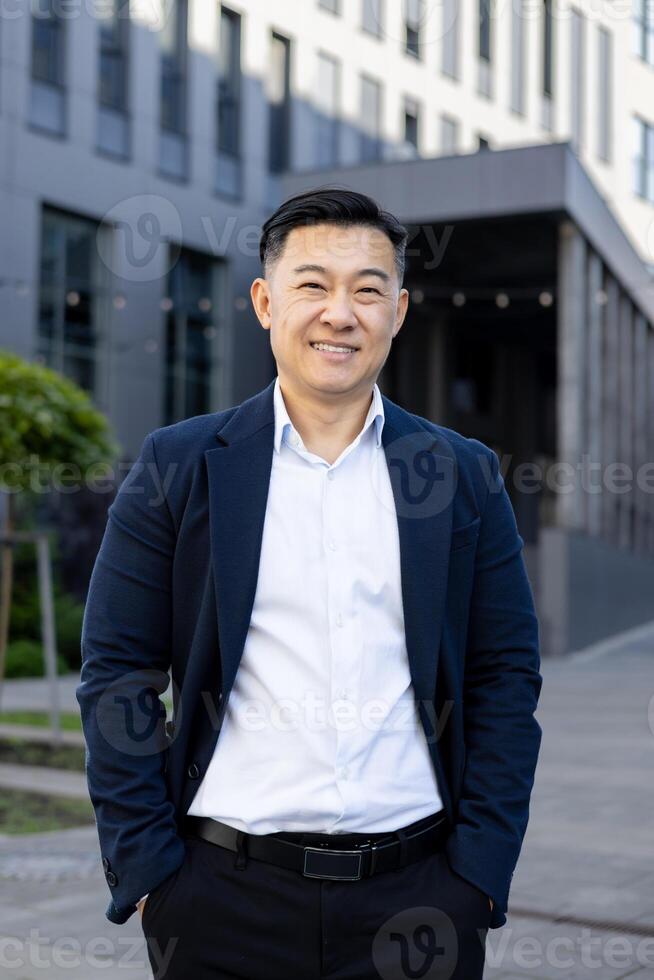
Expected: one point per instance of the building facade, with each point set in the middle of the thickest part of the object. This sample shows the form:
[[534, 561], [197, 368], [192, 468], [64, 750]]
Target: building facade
[[143, 142]]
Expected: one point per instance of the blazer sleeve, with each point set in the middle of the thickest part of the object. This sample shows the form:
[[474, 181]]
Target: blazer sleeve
[[501, 688], [126, 655]]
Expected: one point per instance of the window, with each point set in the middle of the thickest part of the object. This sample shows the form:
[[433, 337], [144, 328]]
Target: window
[[192, 335], [548, 39], [411, 127], [327, 111], [449, 135], [484, 76], [484, 143], [577, 78], [605, 90], [72, 297], [643, 159], [173, 53], [279, 102], [47, 90], [644, 30], [373, 17], [370, 120], [517, 57], [485, 29], [228, 105], [333, 6], [112, 125], [412, 23], [450, 39]]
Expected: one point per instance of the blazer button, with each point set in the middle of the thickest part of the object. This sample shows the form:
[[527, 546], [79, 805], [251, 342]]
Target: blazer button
[[193, 771], [111, 878], [220, 698], [105, 864]]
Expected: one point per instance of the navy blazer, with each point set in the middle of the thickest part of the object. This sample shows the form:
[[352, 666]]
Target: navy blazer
[[172, 589]]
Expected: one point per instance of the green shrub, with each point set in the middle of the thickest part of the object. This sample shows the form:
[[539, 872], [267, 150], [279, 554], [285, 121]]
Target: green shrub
[[25, 659]]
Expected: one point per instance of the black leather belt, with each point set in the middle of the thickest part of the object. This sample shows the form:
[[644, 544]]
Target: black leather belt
[[326, 856]]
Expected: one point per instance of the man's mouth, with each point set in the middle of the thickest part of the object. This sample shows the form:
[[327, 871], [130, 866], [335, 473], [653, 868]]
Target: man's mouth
[[333, 348]]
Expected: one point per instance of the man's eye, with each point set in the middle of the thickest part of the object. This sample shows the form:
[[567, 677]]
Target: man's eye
[[370, 289], [317, 284]]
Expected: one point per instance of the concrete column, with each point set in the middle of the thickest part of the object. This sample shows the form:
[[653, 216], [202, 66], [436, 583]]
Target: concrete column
[[650, 430], [437, 373], [640, 432], [571, 375], [594, 403], [626, 428], [610, 404]]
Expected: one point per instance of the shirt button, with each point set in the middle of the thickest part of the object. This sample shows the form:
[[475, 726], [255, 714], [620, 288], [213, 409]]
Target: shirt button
[[330, 474], [343, 772], [339, 619], [332, 544]]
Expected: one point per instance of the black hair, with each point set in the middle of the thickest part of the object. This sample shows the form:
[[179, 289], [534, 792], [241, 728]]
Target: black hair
[[326, 205]]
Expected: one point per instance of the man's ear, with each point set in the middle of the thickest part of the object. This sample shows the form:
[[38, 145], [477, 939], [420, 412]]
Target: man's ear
[[260, 295], [402, 306]]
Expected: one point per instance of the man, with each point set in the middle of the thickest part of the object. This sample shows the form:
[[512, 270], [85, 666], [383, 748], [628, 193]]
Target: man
[[339, 589]]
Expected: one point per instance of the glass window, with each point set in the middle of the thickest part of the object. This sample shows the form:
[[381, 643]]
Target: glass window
[[113, 37], [327, 110], [229, 83], [373, 17], [370, 123], [192, 325], [643, 159], [72, 297], [173, 47], [485, 29], [449, 134], [577, 77], [605, 90], [411, 126], [48, 55], [279, 102], [644, 30], [450, 39], [548, 48], [333, 6], [413, 21]]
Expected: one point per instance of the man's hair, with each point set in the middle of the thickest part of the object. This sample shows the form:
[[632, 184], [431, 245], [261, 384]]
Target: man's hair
[[329, 206]]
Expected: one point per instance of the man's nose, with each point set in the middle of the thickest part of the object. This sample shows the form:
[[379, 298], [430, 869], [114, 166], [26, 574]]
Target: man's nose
[[339, 311]]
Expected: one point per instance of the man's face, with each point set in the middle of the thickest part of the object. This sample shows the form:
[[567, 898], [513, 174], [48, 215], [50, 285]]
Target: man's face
[[336, 285]]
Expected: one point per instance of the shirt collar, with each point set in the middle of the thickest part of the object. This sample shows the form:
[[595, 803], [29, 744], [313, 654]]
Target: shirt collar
[[282, 418]]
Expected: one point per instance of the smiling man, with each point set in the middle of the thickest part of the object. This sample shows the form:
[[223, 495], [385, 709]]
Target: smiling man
[[339, 588]]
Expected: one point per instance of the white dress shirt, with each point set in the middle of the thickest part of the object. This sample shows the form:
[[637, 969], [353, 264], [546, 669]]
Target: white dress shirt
[[321, 732]]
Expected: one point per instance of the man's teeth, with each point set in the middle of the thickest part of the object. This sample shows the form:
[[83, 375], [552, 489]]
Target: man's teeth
[[343, 350]]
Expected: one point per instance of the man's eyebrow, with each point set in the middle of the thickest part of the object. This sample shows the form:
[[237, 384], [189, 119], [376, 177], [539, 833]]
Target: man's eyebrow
[[310, 268], [372, 271]]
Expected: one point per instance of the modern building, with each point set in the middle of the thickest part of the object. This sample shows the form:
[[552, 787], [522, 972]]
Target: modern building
[[143, 144]]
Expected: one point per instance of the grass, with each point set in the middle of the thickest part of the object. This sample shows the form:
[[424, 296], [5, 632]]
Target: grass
[[31, 813], [19, 752], [70, 720]]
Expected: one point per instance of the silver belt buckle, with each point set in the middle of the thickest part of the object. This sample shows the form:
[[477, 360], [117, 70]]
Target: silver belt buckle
[[322, 851]]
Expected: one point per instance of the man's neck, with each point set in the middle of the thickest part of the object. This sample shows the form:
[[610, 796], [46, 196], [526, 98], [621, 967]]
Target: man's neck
[[326, 427]]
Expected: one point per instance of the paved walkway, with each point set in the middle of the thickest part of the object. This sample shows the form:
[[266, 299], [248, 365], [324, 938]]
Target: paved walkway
[[582, 901]]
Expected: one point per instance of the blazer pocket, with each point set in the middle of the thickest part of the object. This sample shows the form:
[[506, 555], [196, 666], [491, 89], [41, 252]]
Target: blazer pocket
[[466, 535]]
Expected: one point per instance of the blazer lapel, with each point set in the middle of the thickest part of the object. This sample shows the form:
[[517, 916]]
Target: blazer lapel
[[422, 471]]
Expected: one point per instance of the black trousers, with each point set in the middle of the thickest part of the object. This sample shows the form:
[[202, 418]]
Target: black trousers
[[214, 920]]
